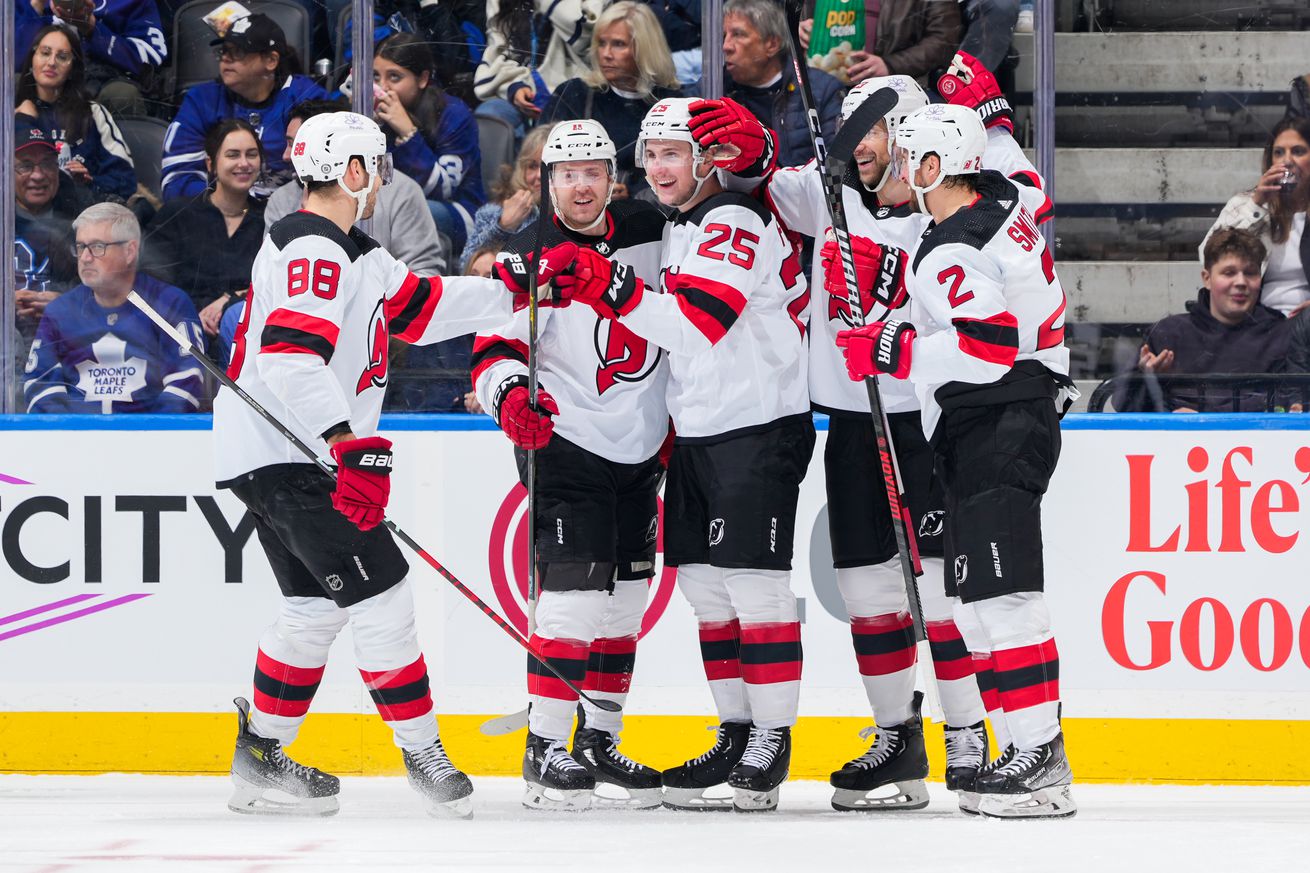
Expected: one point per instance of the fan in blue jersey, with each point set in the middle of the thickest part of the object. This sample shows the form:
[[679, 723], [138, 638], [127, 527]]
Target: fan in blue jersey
[[432, 136], [96, 353], [260, 82]]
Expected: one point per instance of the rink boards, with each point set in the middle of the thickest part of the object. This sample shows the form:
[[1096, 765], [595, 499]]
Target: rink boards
[[133, 598]]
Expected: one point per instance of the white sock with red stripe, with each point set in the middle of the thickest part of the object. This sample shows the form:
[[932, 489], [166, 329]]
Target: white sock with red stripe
[[392, 667], [1026, 665], [986, 679], [292, 654], [566, 627], [720, 638], [770, 644], [883, 636], [951, 660], [614, 652]]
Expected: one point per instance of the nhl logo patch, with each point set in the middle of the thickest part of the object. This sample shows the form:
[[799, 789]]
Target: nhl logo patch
[[334, 582]]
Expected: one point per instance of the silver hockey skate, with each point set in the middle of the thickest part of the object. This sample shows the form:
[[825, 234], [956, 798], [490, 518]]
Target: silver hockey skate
[[1033, 783], [267, 782]]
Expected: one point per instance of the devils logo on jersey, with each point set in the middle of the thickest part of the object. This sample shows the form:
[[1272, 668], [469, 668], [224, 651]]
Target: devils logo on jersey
[[375, 374], [624, 356]]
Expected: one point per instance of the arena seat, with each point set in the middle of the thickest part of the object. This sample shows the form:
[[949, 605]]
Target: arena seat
[[496, 140], [145, 140], [194, 60]]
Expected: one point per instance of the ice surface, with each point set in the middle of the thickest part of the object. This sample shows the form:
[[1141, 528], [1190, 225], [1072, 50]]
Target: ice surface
[[155, 823]]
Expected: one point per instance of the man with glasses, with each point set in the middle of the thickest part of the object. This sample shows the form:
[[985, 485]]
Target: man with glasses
[[96, 353], [258, 82], [43, 213]]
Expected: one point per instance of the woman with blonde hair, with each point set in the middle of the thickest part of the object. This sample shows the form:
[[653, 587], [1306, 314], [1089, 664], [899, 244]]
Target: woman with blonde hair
[[631, 70], [514, 199]]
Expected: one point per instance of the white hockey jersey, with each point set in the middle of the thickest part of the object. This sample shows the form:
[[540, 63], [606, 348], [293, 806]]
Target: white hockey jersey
[[312, 345], [609, 383], [796, 195], [987, 306], [732, 296]]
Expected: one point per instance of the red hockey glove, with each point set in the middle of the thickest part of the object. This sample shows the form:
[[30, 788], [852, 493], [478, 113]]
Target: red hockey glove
[[727, 123], [611, 288], [363, 480], [512, 269], [967, 82], [880, 347], [527, 427], [879, 272]]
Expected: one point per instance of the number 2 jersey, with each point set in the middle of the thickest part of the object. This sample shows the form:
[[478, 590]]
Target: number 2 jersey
[[609, 382], [987, 306], [312, 345], [728, 312]]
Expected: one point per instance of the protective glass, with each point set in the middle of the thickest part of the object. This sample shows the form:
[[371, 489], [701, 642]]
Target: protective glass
[[574, 177], [386, 168], [665, 157], [901, 168]]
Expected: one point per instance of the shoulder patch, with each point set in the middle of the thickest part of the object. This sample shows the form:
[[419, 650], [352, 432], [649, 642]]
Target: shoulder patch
[[299, 224], [727, 198], [973, 226]]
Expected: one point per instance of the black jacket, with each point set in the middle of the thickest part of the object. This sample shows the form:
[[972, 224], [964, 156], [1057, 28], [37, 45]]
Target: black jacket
[[1203, 345], [187, 245]]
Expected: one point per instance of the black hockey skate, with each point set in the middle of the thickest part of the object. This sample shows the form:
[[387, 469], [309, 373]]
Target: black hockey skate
[[555, 780], [687, 785], [762, 769], [269, 783], [446, 792], [889, 776], [598, 752], [1032, 783], [966, 753]]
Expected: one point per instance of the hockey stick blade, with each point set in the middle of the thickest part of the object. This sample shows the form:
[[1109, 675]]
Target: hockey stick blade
[[854, 129], [227, 382], [504, 724]]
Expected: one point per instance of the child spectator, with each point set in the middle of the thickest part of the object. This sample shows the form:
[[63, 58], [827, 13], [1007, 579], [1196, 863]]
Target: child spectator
[[259, 82], [432, 137], [514, 204], [51, 90], [123, 38], [94, 351], [1225, 330], [206, 244], [533, 47], [1275, 211], [631, 71]]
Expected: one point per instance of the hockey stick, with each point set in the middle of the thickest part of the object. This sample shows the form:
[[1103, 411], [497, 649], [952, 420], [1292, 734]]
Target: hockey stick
[[832, 167], [226, 381], [507, 724]]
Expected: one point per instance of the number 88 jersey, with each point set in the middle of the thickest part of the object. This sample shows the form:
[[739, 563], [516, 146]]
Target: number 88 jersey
[[729, 315]]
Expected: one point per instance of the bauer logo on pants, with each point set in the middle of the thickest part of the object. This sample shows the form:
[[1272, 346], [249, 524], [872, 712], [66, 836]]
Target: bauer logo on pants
[[716, 531]]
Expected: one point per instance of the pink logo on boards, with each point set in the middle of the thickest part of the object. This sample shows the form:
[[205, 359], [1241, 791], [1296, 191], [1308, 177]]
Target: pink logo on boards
[[507, 560]]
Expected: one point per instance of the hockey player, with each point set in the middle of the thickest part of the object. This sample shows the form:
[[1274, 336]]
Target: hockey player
[[312, 350], [983, 345], [890, 774], [727, 312], [597, 427]]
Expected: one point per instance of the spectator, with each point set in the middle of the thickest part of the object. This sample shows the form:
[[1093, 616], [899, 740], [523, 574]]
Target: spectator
[[631, 71], [533, 47], [1298, 100], [680, 21], [1225, 330], [123, 38], [902, 37], [432, 136], [1275, 211], [755, 55], [514, 204], [207, 244], [50, 89], [44, 209], [989, 30], [260, 82], [94, 351]]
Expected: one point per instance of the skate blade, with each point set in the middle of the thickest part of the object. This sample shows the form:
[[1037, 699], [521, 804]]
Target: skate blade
[[251, 799], [745, 800], [1054, 802], [554, 800], [697, 799], [610, 796], [968, 802], [892, 797], [461, 807]]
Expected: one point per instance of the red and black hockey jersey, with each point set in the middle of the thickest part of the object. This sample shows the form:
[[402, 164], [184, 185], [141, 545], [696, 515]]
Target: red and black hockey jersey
[[609, 382], [987, 305], [312, 345], [732, 294]]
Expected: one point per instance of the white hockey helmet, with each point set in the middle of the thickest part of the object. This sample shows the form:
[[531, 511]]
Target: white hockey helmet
[[325, 144], [954, 134], [581, 140], [669, 120], [910, 96]]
